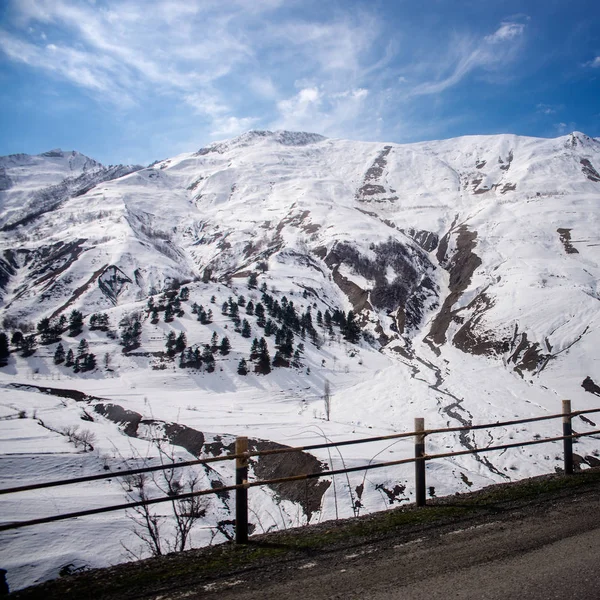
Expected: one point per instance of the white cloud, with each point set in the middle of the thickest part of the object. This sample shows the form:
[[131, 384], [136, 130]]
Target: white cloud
[[595, 63], [506, 31], [467, 55], [546, 109]]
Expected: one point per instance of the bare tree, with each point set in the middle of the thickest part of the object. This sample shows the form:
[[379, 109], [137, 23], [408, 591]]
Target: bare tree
[[327, 399], [149, 526]]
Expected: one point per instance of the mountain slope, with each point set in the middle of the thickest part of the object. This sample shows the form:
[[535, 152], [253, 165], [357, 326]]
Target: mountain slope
[[455, 280]]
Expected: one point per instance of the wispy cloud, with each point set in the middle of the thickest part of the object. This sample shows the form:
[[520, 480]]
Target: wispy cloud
[[468, 54], [547, 109], [238, 64], [595, 63]]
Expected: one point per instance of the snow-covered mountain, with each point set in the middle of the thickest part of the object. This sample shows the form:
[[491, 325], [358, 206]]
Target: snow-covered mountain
[[470, 267]]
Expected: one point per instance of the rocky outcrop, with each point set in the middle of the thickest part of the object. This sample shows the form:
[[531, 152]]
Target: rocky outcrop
[[461, 266]]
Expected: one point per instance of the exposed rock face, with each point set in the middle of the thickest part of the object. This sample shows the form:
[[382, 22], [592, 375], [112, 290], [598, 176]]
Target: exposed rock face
[[588, 170], [400, 275], [308, 493], [112, 282], [461, 266], [373, 188]]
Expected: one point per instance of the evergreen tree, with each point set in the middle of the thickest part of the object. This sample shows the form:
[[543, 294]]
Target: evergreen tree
[[259, 311], [29, 345], [17, 339], [241, 301], [351, 330], [154, 316], [224, 308], [213, 299], [44, 325], [169, 313], [250, 308], [319, 318], [279, 360], [70, 358], [209, 316], [184, 294], [242, 367], [89, 362], [254, 349], [180, 342], [263, 361], [225, 346], [246, 330], [214, 341], [208, 359], [75, 323], [252, 280], [59, 355], [4, 349], [82, 348], [270, 327], [170, 344]]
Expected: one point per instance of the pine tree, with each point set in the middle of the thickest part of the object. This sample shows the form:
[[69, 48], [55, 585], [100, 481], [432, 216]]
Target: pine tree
[[154, 317], [89, 362], [184, 294], [17, 339], [252, 280], [225, 346], [169, 313], [250, 308], [59, 355], [70, 358], [208, 359], [170, 344], [242, 367], [180, 342], [254, 349], [4, 349], [351, 330], [263, 361], [29, 345], [75, 323], [246, 330], [214, 341], [82, 348]]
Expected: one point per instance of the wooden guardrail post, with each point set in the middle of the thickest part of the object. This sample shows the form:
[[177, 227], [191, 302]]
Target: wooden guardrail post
[[420, 464], [567, 431], [241, 494]]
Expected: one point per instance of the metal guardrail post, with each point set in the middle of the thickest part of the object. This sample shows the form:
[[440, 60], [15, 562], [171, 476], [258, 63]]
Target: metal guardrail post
[[420, 464], [241, 494], [567, 431]]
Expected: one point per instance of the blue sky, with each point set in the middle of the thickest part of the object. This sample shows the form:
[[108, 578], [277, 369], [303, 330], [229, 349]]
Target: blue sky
[[131, 81]]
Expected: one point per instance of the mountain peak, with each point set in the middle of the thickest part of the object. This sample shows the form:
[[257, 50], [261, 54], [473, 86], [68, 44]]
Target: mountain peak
[[282, 137]]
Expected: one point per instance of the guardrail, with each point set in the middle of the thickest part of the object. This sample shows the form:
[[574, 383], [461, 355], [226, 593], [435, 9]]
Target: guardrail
[[242, 457]]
